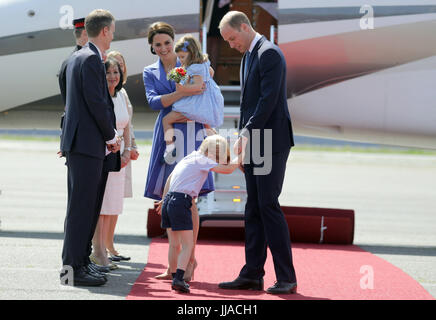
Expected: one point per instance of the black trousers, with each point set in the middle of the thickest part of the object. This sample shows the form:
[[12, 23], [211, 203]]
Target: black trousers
[[265, 224], [86, 186]]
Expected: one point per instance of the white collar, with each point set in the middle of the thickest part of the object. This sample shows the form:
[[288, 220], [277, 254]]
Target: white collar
[[253, 43], [98, 49]]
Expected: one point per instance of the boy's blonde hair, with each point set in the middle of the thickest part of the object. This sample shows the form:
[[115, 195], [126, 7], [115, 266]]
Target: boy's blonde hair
[[217, 146], [191, 45]]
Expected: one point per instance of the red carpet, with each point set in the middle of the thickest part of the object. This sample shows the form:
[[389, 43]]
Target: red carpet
[[337, 272]]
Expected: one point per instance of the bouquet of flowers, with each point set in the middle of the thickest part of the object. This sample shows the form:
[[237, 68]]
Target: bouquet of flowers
[[177, 74]]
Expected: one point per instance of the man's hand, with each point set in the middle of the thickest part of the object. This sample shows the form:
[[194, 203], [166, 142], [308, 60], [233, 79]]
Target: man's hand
[[239, 149], [115, 147], [240, 145]]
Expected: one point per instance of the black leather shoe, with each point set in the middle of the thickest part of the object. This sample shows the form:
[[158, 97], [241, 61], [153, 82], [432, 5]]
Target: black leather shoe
[[83, 278], [180, 285], [242, 284], [99, 269], [282, 287], [91, 268]]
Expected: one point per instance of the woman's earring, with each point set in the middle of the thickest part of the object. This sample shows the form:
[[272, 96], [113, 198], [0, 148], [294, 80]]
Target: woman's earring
[[152, 50]]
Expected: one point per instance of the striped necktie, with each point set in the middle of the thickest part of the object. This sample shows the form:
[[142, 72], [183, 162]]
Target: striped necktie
[[247, 59]]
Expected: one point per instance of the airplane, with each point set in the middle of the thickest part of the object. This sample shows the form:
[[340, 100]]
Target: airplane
[[348, 78], [38, 35], [358, 70], [363, 70]]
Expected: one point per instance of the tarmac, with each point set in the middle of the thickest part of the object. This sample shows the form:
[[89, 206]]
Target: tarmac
[[393, 195]]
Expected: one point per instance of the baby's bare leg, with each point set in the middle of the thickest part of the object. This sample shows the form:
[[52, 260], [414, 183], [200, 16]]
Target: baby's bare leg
[[168, 121]]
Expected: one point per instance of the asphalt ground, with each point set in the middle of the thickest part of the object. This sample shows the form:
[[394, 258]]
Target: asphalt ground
[[393, 195]]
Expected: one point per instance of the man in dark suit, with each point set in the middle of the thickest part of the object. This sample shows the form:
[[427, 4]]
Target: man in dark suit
[[90, 143], [264, 114], [81, 39]]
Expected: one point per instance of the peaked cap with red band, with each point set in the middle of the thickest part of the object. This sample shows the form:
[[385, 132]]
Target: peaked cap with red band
[[79, 23]]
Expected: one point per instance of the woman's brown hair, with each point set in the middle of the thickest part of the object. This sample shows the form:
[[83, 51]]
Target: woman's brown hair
[[114, 54], [157, 28], [114, 62]]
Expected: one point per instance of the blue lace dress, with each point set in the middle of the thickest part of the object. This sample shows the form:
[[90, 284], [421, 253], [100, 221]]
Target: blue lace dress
[[206, 108]]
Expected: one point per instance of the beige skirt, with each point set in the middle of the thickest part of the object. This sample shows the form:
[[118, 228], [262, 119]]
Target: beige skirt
[[113, 199]]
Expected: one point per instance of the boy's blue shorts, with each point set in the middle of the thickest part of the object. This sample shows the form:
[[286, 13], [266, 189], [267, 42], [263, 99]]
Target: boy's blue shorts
[[176, 211]]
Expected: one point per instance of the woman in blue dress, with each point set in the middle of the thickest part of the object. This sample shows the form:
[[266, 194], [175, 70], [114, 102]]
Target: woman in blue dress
[[161, 94]]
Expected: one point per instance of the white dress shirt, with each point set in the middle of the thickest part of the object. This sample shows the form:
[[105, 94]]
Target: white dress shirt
[[253, 43]]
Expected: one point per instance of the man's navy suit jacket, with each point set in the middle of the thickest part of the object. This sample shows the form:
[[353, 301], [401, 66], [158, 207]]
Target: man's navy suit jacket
[[63, 76], [89, 116], [263, 97]]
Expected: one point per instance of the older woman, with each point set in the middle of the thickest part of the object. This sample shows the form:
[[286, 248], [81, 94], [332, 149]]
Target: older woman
[[161, 94], [134, 154], [114, 192]]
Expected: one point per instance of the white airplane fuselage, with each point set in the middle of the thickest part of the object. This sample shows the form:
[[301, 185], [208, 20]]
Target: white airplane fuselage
[[357, 70], [38, 36], [361, 70]]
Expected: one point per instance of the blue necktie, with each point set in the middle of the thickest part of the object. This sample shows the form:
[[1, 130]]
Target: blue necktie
[[247, 59]]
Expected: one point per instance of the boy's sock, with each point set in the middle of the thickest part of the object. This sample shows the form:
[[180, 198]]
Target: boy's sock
[[180, 274]]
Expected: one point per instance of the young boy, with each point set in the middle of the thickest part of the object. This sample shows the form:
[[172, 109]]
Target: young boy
[[184, 184]]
